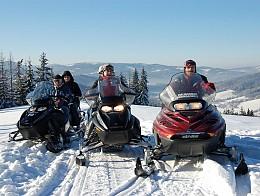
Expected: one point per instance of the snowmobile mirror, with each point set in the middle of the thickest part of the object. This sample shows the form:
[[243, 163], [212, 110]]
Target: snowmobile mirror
[[129, 98], [91, 94]]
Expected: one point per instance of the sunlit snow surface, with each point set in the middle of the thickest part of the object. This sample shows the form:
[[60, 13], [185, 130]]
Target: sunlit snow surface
[[27, 168]]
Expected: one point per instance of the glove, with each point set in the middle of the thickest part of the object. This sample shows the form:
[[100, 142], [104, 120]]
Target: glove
[[209, 87], [58, 102]]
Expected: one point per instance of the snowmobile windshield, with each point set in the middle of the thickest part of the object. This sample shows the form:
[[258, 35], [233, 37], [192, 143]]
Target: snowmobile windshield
[[43, 91], [183, 88], [111, 88]]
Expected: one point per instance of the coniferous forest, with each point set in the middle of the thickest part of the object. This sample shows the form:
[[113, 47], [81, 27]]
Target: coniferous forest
[[19, 78]]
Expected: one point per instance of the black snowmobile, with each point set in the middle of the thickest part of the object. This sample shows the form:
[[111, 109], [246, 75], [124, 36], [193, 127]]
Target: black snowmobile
[[189, 125], [111, 124], [43, 121]]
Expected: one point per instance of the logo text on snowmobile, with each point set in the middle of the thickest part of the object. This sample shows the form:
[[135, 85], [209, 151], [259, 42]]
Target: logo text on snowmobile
[[190, 136], [187, 95]]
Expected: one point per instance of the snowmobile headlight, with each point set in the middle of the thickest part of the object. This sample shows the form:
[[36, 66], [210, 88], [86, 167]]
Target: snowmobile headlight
[[32, 109], [195, 106], [119, 108], [181, 106], [188, 106], [106, 108], [40, 109]]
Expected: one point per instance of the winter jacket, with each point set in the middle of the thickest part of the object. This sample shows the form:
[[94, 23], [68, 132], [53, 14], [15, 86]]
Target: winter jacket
[[73, 86], [64, 94]]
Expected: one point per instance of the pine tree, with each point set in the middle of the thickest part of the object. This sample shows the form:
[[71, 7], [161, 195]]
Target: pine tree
[[251, 113], [29, 78], [248, 112], [11, 94], [123, 79], [242, 111], [134, 84], [3, 85], [4, 88], [143, 88], [20, 90], [226, 111], [232, 111], [43, 72]]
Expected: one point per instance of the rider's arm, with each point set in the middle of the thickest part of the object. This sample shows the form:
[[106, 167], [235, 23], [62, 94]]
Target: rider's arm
[[77, 91], [204, 78], [95, 84]]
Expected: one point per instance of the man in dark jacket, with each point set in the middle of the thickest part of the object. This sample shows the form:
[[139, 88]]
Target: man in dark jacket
[[63, 95], [76, 92]]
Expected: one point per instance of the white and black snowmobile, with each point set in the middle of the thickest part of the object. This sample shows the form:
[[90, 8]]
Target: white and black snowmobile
[[111, 124], [43, 120]]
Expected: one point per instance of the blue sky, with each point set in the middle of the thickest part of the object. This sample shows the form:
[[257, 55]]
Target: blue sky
[[217, 33]]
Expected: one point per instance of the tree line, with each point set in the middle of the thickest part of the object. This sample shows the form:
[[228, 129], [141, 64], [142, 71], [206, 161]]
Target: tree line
[[17, 79], [242, 112], [139, 85]]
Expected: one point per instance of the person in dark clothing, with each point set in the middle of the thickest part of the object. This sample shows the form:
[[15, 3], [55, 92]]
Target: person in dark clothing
[[76, 93], [63, 95], [74, 87]]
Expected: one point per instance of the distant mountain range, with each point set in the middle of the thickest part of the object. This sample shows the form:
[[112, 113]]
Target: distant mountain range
[[247, 85], [243, 80], [156, 71]]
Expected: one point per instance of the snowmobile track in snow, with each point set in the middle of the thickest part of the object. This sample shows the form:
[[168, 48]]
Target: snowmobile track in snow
[[155, 181], [107, 168]]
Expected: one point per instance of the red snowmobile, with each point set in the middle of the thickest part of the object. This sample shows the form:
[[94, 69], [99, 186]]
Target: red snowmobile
[[188, 124]]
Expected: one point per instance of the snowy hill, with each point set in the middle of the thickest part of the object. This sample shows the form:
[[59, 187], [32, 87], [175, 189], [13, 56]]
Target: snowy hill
[[28, 169], [230, 99]]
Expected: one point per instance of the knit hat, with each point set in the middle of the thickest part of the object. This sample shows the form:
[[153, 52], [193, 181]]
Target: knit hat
[[57, 77], [190, 62]]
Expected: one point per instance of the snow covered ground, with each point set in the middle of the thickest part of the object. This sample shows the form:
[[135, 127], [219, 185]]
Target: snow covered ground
[[228, 100], [28, 169]]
